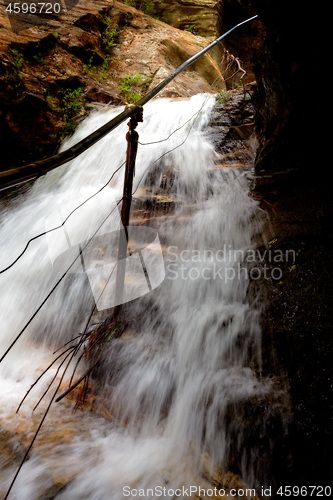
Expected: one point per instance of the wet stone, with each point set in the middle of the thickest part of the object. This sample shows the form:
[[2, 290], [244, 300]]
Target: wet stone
[[11, 450]]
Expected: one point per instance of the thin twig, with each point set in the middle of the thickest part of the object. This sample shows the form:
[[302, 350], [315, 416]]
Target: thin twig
[[63, 223], [40, 376], [72, 340], [53, 379], [37, 432], [56, 285]]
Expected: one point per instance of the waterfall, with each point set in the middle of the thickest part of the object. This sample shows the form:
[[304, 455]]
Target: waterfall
[[175, 381]]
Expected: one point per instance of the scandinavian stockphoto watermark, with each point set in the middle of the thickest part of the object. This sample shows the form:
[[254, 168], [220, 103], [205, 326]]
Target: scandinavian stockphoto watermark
[[76, 248], [190, 491], [231, 492], [196, 491], [227, 264], [25, 14]]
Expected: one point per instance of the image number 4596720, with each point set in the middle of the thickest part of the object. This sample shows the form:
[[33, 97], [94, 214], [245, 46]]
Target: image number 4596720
[[29, 13]]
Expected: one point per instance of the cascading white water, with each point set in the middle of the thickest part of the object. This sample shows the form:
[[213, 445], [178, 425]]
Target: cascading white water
[[172, 383]]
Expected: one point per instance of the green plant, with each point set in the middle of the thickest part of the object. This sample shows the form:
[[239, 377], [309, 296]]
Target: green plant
[[36, 54], [89, 66], [110, 34], [17, 58], [97, 71], [222, 97], [190, 28], [131, 86], [112, 334], [68, 104], [40, 59], [148, 7], [105, 66]]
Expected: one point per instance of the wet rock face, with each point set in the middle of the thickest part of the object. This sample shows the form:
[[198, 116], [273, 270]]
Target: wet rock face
[[97, 53], [11, 450], [246, 43], [283, 49], [196, 16], [297, 321]]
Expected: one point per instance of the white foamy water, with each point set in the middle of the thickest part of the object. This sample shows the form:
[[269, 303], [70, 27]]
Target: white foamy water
[[172, 382]]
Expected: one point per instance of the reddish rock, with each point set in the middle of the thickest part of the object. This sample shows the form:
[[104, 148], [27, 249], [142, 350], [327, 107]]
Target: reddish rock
[[51, 75]]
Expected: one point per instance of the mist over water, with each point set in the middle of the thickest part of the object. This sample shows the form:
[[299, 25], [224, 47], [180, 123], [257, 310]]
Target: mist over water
[[171, 384]]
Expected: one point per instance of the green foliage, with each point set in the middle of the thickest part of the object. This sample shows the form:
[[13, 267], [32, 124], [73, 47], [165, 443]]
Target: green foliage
[[18, 58], [222, 97], [110, 34], [190, 28], [133, 86], [68, 104], [40, 59], [89, 66], [105, 66], [36, 54], [146, 6], [112, 334], [97, 72]]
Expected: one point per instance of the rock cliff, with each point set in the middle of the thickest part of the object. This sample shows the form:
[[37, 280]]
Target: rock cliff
[[196, 16], [98, 52], [285, 52]]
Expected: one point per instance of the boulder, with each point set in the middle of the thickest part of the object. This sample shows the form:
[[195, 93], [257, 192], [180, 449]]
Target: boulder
[[196, 16]]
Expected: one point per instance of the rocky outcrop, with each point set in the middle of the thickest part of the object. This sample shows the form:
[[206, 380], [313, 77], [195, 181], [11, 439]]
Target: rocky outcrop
[[97, 53], [244, 47], [196, 16], [284, 50], [297, 320]]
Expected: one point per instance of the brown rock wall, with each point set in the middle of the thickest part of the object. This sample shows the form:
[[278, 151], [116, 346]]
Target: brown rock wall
[[200, 16], [50, 76]]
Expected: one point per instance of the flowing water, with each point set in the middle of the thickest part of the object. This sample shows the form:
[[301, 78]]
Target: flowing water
[[176, 381]]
